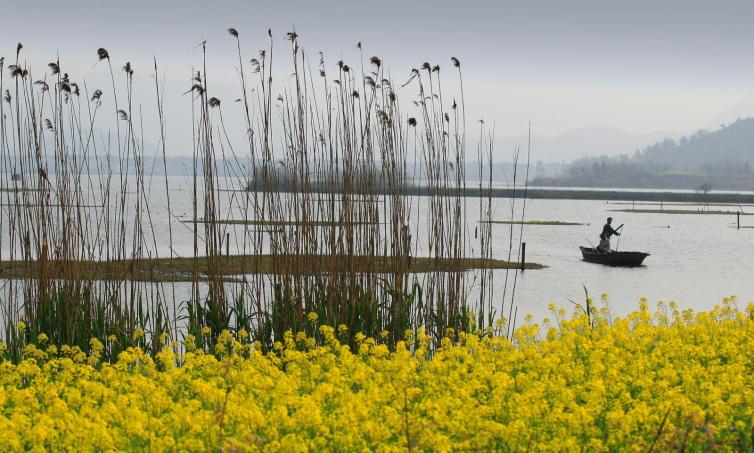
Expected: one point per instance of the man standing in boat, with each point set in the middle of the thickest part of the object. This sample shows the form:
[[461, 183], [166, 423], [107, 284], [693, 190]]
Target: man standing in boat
[[607, 231]]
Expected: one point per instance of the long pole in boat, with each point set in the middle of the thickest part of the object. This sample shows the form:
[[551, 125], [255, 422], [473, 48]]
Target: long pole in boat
[[618, 244]]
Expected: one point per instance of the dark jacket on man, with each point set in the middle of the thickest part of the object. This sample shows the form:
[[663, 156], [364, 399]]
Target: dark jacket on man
[[608, 231]]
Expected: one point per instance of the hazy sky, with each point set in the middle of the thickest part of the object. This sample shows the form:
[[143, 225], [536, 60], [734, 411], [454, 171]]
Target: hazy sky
[[635, 65]]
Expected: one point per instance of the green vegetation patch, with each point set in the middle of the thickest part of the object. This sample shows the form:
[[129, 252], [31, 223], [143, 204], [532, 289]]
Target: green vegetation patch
[[280, 223], [683, 174], [531, 222], [189, 269], [680, 211]]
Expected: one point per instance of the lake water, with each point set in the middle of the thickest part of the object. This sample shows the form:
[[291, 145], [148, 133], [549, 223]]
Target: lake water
[[696, 260]]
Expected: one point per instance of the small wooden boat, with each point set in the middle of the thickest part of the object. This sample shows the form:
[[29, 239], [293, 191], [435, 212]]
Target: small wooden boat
[[623, 259]]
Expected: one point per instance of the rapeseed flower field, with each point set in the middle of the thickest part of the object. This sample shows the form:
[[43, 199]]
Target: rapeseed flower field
[[654, 380]]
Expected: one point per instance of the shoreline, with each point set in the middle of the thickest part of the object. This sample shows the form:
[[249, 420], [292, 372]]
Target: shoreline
[[661, 195]]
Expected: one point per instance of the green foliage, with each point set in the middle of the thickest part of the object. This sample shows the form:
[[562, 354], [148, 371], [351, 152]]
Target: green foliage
[[69, 314]]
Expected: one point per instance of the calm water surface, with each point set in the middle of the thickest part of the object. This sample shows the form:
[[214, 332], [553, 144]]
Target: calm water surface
[[695, 260]]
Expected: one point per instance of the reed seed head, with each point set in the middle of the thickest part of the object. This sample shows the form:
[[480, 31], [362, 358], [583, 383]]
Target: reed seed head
[[17, 71], [256, 67], [102, 54], [196, 88], [42, 85]]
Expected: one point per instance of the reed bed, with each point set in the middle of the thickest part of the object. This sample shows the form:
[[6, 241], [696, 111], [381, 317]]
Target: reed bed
[[328, 160]]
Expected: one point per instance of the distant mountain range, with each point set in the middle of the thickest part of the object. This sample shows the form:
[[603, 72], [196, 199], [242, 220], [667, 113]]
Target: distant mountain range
[[578, 143], [731, 143], [723, 159]]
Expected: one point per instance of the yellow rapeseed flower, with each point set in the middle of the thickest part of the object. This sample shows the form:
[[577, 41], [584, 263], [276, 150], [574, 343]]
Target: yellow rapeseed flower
[[648, 381]]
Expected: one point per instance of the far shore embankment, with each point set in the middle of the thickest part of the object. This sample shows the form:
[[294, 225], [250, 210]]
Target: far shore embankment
[[637, 195]]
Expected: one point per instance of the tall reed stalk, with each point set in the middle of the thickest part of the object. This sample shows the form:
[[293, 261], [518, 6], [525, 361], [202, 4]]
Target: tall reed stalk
[[329, 161]]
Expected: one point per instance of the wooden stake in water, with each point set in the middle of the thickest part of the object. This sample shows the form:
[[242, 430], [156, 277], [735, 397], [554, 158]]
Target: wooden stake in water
[[523, 256], [738, 220]]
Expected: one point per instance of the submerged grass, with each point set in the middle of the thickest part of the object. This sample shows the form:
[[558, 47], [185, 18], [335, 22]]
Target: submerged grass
[[700, 211], [688, 204], [533, 222], [315, 223]]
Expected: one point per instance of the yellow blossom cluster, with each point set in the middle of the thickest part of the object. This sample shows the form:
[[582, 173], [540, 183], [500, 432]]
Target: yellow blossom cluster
[[654, 380]]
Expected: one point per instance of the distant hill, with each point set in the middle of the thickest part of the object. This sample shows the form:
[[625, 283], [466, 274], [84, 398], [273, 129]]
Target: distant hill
[[731, 143], [577, 143], [723, 159]]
